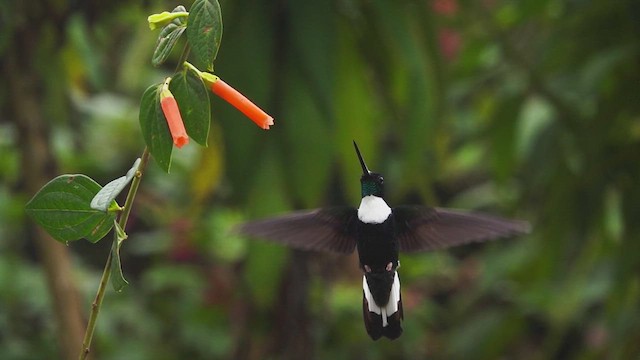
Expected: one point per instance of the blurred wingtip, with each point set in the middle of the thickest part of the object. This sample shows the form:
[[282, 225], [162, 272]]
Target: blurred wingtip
[[522, 227]]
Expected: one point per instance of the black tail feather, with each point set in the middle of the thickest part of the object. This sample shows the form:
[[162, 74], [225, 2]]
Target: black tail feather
[[374, 324]]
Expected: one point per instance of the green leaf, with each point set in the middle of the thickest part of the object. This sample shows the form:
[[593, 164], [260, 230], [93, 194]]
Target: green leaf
[[117, 277], [307, 171], [108, 193], [193, 99], [353, 101], [166, 42], [154, 127], [62, 208], [265, 262], [503, 133], [204, 31]]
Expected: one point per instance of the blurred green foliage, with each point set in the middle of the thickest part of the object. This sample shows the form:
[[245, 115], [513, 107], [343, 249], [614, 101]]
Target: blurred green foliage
[[527, 109]]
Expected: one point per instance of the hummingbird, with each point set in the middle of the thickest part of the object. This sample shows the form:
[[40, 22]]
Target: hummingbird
[[379, 233]]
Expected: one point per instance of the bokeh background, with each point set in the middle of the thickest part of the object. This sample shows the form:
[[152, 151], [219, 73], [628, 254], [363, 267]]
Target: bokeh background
[[528, 109]]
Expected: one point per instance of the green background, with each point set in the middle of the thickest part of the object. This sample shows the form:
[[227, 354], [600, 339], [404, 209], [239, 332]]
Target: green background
[[528, 109]]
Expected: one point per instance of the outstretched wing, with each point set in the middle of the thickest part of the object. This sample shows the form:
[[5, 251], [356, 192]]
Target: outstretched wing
[[421, 228], [330, 229]]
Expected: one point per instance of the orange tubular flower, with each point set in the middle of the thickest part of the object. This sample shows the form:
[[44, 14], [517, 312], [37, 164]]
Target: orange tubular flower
[[172, 114], [240, 102]]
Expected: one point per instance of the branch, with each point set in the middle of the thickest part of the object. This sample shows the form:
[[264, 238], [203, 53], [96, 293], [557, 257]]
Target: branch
[[106, 273]]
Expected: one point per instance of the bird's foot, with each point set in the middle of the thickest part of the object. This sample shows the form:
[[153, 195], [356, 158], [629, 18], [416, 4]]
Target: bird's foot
[[388, 268]]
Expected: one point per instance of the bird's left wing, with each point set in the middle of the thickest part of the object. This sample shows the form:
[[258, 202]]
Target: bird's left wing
[[330, 229], [421, 228]]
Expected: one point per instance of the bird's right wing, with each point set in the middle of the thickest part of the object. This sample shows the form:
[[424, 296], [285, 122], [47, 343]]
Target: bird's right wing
[[330, 229]]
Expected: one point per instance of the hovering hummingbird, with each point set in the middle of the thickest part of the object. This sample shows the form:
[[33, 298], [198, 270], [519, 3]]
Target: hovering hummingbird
[[379, 232]]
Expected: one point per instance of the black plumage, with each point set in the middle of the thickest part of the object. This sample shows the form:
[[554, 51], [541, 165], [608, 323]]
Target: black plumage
[[379, 233]]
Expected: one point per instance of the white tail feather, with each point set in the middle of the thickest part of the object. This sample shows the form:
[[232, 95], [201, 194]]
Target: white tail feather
[[391, 307]]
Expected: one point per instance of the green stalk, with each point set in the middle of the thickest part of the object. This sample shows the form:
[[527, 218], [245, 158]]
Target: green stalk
[[106, 273], [122, 221]]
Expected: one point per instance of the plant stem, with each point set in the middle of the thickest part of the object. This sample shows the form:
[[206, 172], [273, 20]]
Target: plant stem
[[135, 183], [106, 273], [122, 221], [95, 309]]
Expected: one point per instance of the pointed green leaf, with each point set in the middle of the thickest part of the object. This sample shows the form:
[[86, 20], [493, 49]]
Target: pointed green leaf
[[204, 31], [193, 99], [503, 133], [308, 171], [166, 42], [105, 197], [261, 260], [117, 277], [154, 127], [62, 208]]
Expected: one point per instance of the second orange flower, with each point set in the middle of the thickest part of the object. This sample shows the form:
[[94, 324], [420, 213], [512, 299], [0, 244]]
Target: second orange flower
[[172, 115]]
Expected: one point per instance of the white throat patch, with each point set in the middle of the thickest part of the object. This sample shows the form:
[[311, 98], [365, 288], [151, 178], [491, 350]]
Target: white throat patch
[[373, 210]]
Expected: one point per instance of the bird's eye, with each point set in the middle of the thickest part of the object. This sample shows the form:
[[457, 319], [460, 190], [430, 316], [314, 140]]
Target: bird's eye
[[381, 180]]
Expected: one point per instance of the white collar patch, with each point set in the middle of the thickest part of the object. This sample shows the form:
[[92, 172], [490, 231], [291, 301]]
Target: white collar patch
[[373, 210]]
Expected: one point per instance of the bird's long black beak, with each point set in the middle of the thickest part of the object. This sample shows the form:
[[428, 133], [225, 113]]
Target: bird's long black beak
[[365, 169]]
